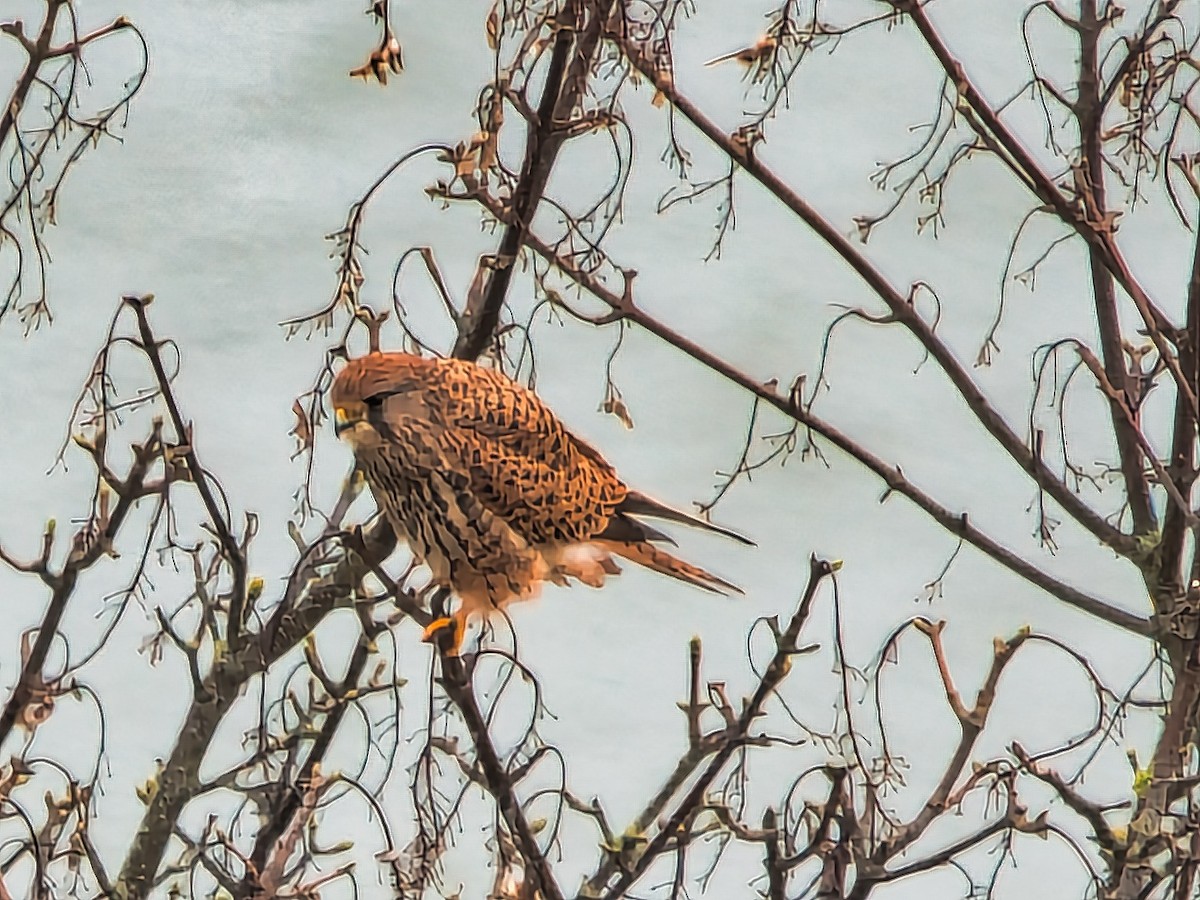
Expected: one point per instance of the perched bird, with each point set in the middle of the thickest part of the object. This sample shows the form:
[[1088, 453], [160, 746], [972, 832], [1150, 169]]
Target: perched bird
[[489, 489]]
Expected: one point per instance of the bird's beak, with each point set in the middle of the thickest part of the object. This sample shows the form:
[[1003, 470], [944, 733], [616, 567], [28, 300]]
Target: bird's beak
[[341, 421]]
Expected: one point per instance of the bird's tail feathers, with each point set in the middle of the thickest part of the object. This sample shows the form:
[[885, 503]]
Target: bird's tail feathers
[[646, 554], [638, 504]]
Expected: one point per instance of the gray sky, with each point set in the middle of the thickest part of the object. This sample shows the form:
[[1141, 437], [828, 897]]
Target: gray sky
[[247, 145]]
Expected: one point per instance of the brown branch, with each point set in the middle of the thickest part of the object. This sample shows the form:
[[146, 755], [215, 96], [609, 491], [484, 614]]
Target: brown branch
[[865, 886], [684, 769], [1119, 403], [732, 737], [971, 724], [36, 52], [62, 584], [902, 310], [776, 876], [956, 523], [456, 681], [75, 47], [1139, 45], [1183, 443], [303, 604], [562, 92], [1089, 113], [695, 706], [175, 786], [1090, 812], [1136, 877], [700, 747], [234, 557], [829, 813], [180, 779], [768, 836], [294, 800], [1098, 233]]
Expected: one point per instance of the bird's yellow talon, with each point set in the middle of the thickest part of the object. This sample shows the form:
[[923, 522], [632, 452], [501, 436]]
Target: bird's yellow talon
[[430, 635], [434, 627]]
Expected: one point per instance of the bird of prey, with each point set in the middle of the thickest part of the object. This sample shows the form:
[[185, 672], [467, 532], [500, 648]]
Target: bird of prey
[[490, 490]]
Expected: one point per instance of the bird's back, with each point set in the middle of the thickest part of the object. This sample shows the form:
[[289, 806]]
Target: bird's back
[[521, 461]]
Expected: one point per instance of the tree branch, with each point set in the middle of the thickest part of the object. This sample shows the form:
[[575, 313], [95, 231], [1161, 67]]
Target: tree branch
[[1098, 233], [1139, 45], [562, 92], [456, 681], [902, 310], [956, 523], [1183, 444], [36, 52], [1089, 114], [233, 554], [733, 737], [84, 555]]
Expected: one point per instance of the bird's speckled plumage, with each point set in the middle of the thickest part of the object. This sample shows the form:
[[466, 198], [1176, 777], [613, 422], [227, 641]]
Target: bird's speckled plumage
[[488, 487]]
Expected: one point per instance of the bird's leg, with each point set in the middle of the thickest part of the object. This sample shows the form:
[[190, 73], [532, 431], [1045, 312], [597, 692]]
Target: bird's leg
[[437, 603], [445, 628], [447, 632]]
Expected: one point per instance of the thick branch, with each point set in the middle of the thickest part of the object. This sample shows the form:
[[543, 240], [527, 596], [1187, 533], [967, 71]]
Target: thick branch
[[37, 52], [180, 780], [561, 93], [1090, 115], [1182, 463]]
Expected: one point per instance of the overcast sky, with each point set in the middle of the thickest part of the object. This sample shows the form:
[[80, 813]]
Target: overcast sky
[[247, 145]]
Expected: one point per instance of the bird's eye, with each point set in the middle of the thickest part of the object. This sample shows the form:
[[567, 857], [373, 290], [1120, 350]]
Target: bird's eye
[[374, 402]]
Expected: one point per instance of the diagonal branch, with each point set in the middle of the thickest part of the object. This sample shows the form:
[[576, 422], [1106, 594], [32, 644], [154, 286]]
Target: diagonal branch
[[971, 724], [37, 52], [233, 554], [1097, 232], [1092, 813], [561, 93], [180, 779], [902, 310], [733, 736], [85, 554], [956, 523], [456, 681], [284, 817]]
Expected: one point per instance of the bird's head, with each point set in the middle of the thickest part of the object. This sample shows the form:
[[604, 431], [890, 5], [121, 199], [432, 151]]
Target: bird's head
[[362, 387]]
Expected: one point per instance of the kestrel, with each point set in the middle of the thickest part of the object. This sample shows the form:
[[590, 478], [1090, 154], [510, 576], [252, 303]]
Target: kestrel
[[489, 489]]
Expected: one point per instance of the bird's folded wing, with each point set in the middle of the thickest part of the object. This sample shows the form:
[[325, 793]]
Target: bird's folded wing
[[523, 463]]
